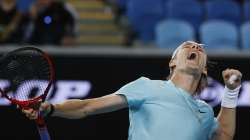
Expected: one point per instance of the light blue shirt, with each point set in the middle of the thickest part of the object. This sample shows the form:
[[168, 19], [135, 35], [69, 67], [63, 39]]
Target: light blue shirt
[[158, 110]]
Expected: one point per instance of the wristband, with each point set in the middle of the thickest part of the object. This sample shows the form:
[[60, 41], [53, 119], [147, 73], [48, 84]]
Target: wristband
[[230, 97]]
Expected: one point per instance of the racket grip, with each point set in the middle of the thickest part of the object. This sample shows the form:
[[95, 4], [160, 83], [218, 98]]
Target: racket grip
[[43, 132], [42, 128]]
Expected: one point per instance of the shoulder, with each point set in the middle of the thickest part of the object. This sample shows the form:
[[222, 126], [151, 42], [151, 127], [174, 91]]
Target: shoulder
[[148, 82], [205, 107], [141, 84], [141, 80], [202, 103]]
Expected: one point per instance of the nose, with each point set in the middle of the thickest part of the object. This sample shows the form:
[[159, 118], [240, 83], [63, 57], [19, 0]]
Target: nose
[[196, 46]]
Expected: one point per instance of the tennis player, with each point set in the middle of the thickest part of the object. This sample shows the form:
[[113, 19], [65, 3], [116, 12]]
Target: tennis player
[[165, 110]]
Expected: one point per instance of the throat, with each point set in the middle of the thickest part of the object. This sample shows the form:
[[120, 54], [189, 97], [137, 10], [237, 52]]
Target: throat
[[187, 80], [195, 73]]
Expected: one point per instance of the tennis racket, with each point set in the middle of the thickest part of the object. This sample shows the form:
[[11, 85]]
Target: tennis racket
[[29, 74]]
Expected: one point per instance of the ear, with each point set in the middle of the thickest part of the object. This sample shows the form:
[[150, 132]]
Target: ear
[[205, 71], [172, 64]]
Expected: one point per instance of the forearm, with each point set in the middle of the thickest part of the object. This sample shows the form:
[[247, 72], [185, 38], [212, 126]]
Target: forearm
[[72, 109], [227, 123], [227, 115]]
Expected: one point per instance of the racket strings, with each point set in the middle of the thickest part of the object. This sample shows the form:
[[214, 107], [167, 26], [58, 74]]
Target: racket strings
[[29, 74]]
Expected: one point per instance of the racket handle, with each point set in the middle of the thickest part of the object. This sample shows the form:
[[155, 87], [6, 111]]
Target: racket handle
[[42, 128], [43, 132]]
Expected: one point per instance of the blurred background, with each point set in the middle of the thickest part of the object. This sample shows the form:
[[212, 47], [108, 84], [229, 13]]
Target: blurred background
[[100, 45]]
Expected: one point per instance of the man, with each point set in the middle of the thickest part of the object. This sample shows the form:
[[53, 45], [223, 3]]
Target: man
[[52, 22], [12, 23], [165, 110]]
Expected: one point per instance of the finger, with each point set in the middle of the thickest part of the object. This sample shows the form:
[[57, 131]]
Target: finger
[[234, 71], [225, 73], [229, 72], [232, 78], [226, 76], [32, 115], [237, 72], [45, 106], [237, 81], [27, 111], [29, 115]]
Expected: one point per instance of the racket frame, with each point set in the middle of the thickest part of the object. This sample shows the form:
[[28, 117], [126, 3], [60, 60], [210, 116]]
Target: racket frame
[[41, 125]]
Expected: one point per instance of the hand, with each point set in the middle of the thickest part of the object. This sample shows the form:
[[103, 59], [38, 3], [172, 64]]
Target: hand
[[227, 75], [31, 113]]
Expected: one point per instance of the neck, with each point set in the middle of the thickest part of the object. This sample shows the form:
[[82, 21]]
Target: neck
[[186, 81]]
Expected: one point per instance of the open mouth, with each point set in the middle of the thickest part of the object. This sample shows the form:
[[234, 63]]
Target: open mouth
[[192, 56]]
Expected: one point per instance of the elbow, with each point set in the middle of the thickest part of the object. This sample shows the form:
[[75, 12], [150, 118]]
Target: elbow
[[225, 135], [228, 136]]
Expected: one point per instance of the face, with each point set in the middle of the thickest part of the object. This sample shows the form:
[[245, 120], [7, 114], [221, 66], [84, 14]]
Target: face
[[190, 57]]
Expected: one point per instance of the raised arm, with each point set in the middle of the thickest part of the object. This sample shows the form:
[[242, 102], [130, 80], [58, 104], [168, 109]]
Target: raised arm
[[75, 108], [227, 115], [226, 119]]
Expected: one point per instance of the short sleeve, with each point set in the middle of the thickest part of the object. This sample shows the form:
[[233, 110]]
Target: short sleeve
[[135, 92], [211, 122]]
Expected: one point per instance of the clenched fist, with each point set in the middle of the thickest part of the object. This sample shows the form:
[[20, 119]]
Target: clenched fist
[[45, 108], [232, 78]]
